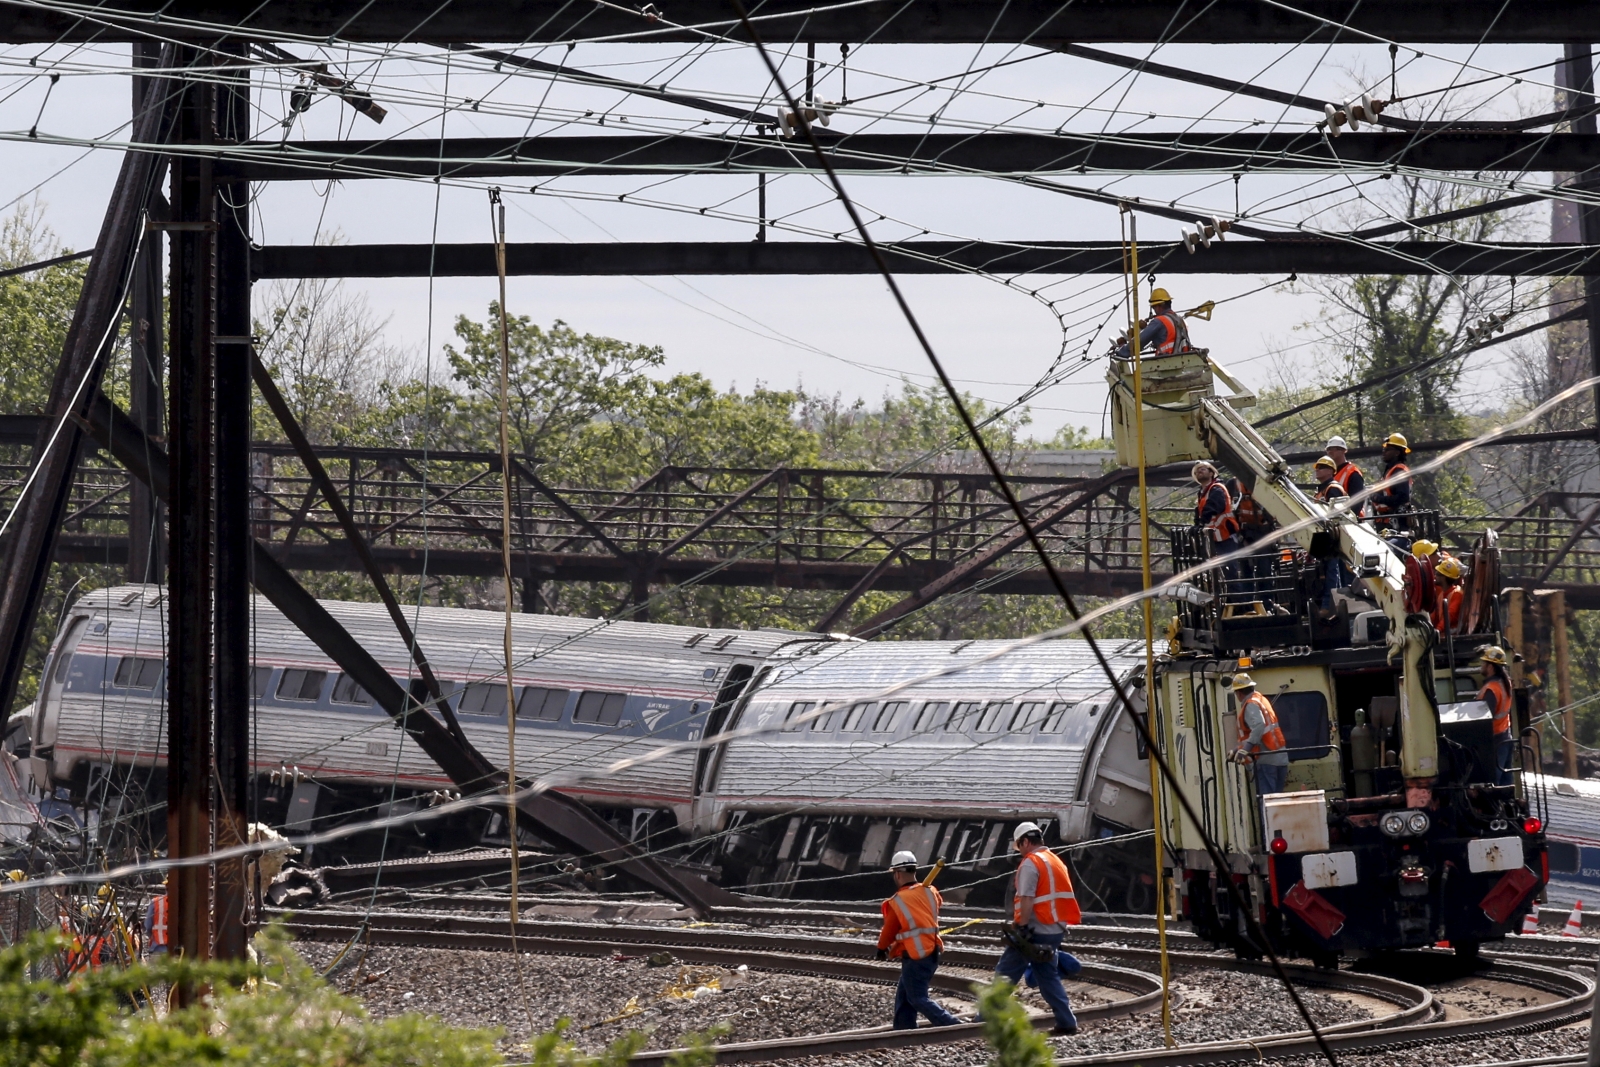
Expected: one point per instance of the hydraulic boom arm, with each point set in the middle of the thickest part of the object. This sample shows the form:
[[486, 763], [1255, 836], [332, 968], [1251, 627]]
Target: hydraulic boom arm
[[1185, 420]]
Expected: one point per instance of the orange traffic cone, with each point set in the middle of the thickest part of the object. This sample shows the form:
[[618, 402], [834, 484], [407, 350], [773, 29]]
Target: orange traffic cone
[[1574, 927], [1530, 921]]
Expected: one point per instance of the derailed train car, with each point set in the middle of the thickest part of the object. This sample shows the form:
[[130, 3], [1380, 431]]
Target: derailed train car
[[942, 766]]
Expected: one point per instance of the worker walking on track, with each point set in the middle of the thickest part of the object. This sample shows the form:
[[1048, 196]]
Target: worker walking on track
[[1394, 498], [1163, 333], [911, 935], [1496, 693], [1261, 740], [1043, 906]]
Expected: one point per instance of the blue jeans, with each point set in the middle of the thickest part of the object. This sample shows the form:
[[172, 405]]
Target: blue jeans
[[1066, 963], [1013, 964], [1504, 749], [1333, 571], [911, 995], [1270, 778]]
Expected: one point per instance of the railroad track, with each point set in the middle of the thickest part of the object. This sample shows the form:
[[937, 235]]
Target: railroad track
[[1414, 1020]]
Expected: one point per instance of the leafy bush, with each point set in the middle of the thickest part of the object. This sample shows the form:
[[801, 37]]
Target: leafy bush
[[275, 1012], [1008, 1030]]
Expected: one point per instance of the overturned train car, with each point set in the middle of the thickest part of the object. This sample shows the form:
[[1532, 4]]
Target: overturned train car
[[818, 787]]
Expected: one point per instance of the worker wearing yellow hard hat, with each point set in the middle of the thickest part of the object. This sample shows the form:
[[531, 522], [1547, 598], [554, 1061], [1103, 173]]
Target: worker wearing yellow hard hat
[[1496, 693], [1163, 333], [1447, 605], [1391, 504]]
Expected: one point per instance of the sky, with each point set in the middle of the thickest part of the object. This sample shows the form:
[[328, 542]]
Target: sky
[[833, 335]]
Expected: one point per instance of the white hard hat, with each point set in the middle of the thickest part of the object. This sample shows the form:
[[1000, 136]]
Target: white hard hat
[[1023, 830], [1336, 442], [904, 859]]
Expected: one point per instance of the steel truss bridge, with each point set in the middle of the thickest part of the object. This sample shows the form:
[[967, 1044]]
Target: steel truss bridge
[[921, 534]]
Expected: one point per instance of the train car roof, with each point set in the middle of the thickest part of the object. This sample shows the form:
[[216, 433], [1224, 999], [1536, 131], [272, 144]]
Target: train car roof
[[1574, 807], [950, 669], [463, 643]]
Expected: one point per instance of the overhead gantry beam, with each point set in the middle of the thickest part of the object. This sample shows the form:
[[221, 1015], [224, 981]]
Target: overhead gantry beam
[[633, 258], [1473, 22], [1068, 152]]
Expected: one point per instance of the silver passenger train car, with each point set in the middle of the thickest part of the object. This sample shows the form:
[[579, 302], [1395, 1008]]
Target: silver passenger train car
[[819, 785]]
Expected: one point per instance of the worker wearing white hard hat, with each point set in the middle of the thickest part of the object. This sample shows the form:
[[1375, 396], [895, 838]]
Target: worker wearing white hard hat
[[1345, 473], [1043, 906], [911, 934]]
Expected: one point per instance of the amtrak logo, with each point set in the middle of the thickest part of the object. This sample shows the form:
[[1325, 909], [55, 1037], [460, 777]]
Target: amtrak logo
[[652, 716]]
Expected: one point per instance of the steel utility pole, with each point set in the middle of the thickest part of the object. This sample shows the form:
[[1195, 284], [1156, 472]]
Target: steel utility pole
[[1580, 95], [191, 579], [146, 336], [234, 548]]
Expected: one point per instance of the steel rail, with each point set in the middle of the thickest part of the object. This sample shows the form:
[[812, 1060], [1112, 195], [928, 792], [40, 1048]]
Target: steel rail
[[822, 957]]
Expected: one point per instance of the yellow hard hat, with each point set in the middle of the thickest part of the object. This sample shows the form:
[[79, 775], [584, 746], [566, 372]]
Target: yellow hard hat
[[1243, 681], [1327, 461], [1493, 654], [1160, 296], [1422, 548], [1398, 440], [1448, 567]]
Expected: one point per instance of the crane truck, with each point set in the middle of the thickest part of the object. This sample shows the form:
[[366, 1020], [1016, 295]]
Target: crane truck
[[1394, 829]]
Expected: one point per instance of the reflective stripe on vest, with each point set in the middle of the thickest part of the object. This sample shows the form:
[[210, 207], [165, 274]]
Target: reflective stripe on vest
[[1053, 901], [1343, 475], [1224, 525], [1447, 611], [1392, 472], [1272, 737], [1496, 692], [158, 921], [1330, 491], [1177, 339], [921, 941]]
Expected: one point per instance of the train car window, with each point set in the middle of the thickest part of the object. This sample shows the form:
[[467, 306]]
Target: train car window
[[64, 660], [346, 691], [858, 714], [599, 709], [889, 716], [543, 705], [1304, 718], [135, 672], [260, 680], [825, 722], [963, 715], [1056, 721], [483, 698], [297, 684], [1027, 717], [931, 717], [993, 716], [796, 710]]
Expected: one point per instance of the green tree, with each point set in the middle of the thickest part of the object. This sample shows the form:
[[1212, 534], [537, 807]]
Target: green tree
[[35, 309]]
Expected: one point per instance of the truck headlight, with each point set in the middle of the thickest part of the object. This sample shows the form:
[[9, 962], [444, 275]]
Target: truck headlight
[[1393, 824], [1417, 823]]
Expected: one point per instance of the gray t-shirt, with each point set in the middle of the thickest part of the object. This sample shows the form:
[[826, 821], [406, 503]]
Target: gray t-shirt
[[1028, 886], [1257, 724]]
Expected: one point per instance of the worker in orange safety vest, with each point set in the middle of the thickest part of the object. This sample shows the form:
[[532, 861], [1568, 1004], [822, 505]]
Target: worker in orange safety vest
[[155, 922], [1261, 740], [1163, 333], [1043, 906], [911, 934], [1496, 693], [1447, 573]]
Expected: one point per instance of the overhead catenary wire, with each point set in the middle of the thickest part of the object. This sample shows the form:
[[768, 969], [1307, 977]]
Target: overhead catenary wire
[[1044, 557]]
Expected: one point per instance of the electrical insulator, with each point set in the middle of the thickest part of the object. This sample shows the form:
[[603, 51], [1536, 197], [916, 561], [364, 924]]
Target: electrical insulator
[[1335, 119]]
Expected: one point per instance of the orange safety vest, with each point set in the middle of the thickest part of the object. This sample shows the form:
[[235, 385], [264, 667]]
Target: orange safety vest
[[918, 909], [1053, 901], [1249, 512], [1330, 491], [1272, 737], [1342, 476], [1225, 525], [1175, 331], [1397, 469], [1447, 610], [1496, 692], [158, 921]]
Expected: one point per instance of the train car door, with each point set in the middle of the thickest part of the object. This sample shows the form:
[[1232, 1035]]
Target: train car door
[[721, 717]]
